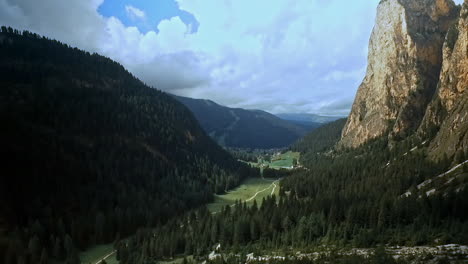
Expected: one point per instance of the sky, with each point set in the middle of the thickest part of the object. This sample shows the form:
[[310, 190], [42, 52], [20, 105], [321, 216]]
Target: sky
[[281, 56]]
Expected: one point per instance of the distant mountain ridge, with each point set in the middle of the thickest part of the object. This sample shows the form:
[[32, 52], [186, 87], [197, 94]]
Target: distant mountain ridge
[[236, 127], [304, 117]]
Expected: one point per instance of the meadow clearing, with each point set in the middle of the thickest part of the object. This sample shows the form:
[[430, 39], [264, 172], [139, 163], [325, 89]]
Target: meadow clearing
[[253, 189]]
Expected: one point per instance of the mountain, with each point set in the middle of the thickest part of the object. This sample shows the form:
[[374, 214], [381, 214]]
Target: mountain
[[447, 114], [312, 118], [235, 127], [404, 64], [417, 85], [369, 181], [90, 153]]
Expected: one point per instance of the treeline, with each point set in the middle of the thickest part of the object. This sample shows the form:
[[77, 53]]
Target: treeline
[[361, 190], [90, 153], [245, 154], [277, 174], [291, 222]]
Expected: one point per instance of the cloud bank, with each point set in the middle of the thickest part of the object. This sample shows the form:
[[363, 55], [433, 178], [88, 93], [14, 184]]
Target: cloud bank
[[279, 56]]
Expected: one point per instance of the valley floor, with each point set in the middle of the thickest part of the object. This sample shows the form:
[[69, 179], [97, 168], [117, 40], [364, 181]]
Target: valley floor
[[253, 189], [278, 161], [96, 254]]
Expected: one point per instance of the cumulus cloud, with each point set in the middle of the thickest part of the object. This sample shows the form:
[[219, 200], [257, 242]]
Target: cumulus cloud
[[176, 72], [279, 56], [134, 13], [74, 22]]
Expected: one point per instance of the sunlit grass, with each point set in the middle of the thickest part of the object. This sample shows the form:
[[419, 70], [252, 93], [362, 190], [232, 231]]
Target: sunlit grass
[[245, 192], [94, 254], [284, 160]]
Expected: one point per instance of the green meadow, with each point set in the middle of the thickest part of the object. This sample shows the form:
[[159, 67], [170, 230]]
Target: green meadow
[[250, 190], [284, 160], [96, 253]]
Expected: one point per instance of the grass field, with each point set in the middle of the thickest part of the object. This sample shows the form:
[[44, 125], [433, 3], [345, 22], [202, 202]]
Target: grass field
[[94, 254], [284, 160], [250, 190]]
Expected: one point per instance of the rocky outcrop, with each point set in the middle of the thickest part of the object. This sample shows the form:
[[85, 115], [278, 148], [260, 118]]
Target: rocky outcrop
[[404, 62], [447, 115]]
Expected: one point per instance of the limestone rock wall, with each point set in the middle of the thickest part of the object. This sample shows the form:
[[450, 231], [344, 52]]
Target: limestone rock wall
[[404, 62], [447, 115]]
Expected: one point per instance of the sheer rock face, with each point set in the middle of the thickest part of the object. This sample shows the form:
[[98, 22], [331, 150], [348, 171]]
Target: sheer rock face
[[404, 61], [447, 115]]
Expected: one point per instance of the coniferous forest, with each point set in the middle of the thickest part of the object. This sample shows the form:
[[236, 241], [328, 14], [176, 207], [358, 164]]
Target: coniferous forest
[[343, 198], [90, 153]]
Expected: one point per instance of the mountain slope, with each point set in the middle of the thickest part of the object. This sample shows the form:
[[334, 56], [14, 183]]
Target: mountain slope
[[350, 198], [405, 56], [416, 85], [90, 153], [235, 127], [447, 115], [320, 139]]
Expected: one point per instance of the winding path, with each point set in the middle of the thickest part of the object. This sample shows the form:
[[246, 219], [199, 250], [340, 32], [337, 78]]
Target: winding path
[[273, 191], [255, 195], [106, 256]]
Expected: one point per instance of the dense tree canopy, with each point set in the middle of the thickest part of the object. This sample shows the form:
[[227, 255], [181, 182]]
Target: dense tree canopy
[[90, 153], [341, 198]]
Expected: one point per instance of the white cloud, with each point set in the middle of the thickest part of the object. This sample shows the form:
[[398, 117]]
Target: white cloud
[[274, 55], [338, 75], [134, 13], [289, 46]]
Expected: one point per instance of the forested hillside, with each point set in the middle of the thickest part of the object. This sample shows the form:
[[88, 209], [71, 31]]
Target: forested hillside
[[343, 198], [90, 153], [241, 128], [322, 138]]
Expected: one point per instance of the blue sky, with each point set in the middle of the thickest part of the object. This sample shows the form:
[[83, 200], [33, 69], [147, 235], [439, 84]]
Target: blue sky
[[281, 56], [154, 12]]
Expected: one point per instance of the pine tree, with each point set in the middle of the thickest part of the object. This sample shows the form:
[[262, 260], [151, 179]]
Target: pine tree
[[44, 257]]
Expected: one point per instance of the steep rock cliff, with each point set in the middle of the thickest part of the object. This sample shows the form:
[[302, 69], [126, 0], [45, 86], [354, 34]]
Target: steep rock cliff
[[447, 115], [404, 61]]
